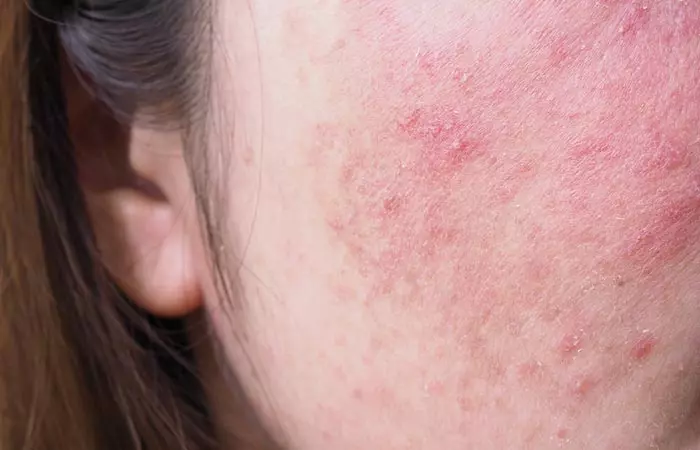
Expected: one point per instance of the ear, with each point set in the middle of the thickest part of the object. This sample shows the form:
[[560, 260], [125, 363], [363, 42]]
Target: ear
[[140, 202]]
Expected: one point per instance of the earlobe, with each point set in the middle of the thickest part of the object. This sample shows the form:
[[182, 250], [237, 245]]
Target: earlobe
[[140, 203], [148, 246]]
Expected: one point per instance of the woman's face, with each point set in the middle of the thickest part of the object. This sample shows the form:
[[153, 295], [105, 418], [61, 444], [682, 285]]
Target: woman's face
[[462, 224]]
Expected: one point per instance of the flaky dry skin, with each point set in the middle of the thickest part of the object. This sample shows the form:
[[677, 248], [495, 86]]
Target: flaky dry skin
[[475, 225]]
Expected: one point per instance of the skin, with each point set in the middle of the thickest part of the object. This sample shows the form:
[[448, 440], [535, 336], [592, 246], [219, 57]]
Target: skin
[[472, 225], [457, 224]]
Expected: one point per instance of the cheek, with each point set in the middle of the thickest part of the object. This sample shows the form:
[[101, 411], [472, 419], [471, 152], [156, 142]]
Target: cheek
[[487, 139], [504, 179]]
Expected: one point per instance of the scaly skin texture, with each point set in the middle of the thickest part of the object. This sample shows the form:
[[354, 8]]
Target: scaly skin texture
[[491, 224]]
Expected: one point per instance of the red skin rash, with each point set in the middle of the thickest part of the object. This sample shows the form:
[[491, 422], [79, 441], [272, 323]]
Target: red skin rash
[[643, 347], [584, 113], [583, 90]]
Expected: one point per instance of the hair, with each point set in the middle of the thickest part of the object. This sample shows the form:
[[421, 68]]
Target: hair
[[82, 367]]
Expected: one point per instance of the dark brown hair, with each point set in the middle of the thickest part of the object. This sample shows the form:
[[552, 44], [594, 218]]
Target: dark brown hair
[[82, 367]]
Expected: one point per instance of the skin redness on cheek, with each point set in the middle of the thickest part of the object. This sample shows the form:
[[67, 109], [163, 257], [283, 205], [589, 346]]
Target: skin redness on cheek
[[585, 112], [501, 150], [512, 191]]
